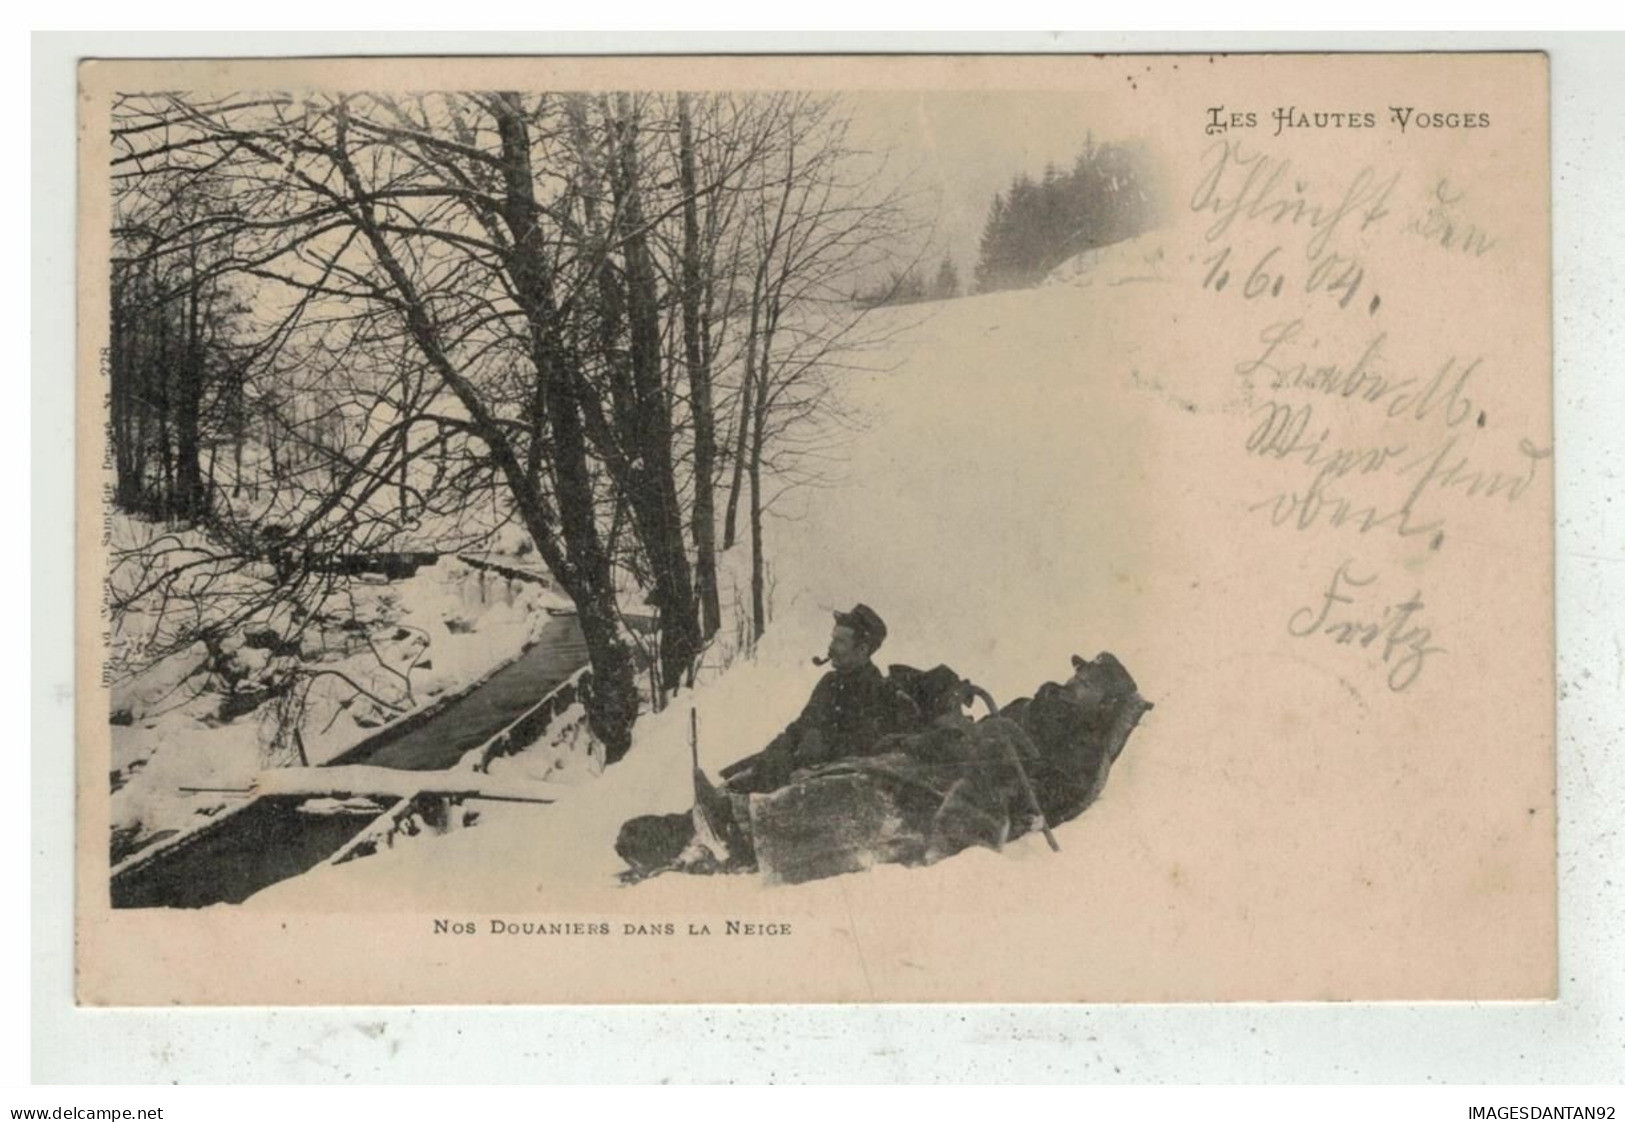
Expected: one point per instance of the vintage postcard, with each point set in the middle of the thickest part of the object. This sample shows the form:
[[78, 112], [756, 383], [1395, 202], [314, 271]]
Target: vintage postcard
[[884, 529]]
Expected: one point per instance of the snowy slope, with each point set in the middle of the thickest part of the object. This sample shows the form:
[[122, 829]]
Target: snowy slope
[[978, 513], [1023, 491], [1138, 260]]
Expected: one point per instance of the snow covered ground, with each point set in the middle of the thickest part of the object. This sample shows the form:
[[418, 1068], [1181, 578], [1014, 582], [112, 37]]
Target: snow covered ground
[[1138, 260], [415, 640], [978, 513], [1052, 472]]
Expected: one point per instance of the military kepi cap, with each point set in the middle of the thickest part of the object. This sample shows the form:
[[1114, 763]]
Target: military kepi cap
[[864, 622]]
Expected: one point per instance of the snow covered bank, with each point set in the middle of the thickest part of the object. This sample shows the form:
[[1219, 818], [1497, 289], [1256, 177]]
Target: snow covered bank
[[406, 643], [1024, 491], [1138, 260], [932, 524]]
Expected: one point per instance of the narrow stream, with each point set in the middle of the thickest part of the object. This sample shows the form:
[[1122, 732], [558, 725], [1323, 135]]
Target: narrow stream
[[470, 721], [276, 838], [267, 841]]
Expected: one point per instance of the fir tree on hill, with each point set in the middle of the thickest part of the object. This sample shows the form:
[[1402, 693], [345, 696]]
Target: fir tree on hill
[[1109, 195]]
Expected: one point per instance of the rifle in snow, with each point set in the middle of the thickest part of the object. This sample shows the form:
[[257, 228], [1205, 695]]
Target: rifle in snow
[[973, 690], [708, 830]]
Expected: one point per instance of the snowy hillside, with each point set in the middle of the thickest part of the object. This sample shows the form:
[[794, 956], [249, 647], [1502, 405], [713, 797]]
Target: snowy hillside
[[977, 513], [1024, 490], [1138, 260]]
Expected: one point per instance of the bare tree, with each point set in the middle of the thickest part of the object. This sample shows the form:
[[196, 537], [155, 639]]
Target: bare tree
[[540, 306], [176, 354], [695, 296], [824, 218]]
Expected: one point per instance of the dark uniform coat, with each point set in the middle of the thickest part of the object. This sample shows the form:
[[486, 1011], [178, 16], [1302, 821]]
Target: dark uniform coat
[[848, 712]]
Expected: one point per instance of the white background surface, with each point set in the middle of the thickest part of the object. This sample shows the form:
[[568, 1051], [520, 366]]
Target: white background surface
[[1578, 1039]]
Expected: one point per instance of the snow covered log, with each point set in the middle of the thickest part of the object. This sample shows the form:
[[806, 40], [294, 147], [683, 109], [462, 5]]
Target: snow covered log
[[384, 782]]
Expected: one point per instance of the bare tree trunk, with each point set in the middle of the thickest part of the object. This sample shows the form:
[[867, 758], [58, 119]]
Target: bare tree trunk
[[189, 496], [699, 381], [122, 432], [405, 512], [758, 446], [159, 390], [578, 560], [753, 403], [758, 584], [139, 419], [272, 446], [584, 566], [239, 427], [747, 409], [651, 484]]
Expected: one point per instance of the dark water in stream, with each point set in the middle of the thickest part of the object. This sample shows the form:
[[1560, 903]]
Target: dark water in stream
[[273, 839]]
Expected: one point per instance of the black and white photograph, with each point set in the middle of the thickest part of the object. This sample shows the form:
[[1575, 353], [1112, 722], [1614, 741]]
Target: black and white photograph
[[933, 529]]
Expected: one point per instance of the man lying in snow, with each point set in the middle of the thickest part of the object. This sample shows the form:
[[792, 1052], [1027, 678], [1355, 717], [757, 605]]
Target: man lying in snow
[[889, 769]]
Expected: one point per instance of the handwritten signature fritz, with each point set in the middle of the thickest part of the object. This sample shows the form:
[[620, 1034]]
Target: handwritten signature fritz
[[1347, 616]]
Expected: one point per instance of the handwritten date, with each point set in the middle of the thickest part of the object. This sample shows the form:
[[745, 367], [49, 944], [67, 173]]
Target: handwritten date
[[1337, 276]]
